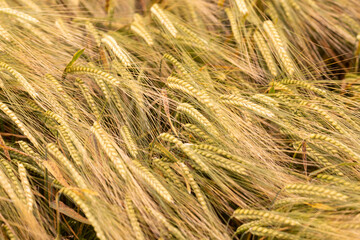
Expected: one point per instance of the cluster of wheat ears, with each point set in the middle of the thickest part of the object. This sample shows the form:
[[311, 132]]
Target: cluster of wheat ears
[[179, 119]]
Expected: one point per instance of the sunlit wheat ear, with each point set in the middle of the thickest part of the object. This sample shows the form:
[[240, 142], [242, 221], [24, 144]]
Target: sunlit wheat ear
[[129, 141], [241, 102], [194, 114], [51, 147], [93, 32], [130, 210], [246, 226], [324, 114], [265, 215], [186, 149], [192, 35], [321, 160], [271, 233], [9, 233], [337, 181], [27, 86], [173, 230], [94, 72], [18, 123], [265, 52], [137, 168], [70, 146], [178, 65], [274, 36], [67, 99], [109, 149], [87, 211], [222, 162], [241, 5], [200, 95], [89, 99], [163, 19], [168, 172], [14, 179], [266, 100], [304, 85], [26, 186], [119, 52], [19, 14], [140, 30], [312, 190], [6, 185], [197, 132], [335, 143], [195, 187], [233, 24], [69, 132]]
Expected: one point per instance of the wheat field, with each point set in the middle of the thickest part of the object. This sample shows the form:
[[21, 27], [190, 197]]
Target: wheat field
[[179, 119]]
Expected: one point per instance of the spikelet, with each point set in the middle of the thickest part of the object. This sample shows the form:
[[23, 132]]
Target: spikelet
[[67, 99], [241, 5], [279, 46], [319, 191], [239, 101], [129, 141], [266, 215], [86, 92], [18, 123], [119, 52], [140, 30], [195, 187], [265, 52], [109, 149], [142, 171], [27, 86], [19, 14], [130, 210], [51, 147], [268, 232], [95, 72], [26, 186], [193, 113], [186, 149], [335, 143], [164, 20], [85, 208]]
